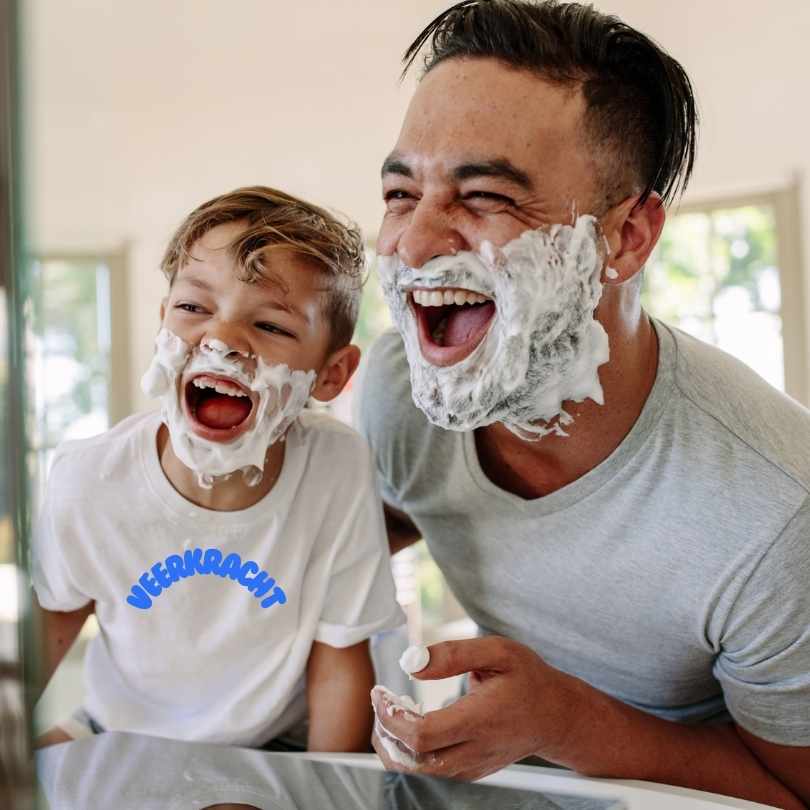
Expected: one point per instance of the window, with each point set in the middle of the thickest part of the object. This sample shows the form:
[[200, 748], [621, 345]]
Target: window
[[725, 273], [77, 363]]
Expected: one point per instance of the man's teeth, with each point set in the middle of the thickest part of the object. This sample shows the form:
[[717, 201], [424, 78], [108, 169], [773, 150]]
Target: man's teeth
[[441, 298], [220, 386]]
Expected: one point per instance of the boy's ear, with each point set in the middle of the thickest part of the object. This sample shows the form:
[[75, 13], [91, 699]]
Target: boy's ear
[[336, 372], [163, 308]]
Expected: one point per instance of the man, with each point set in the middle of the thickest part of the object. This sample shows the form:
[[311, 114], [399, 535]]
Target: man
[[623, 510]]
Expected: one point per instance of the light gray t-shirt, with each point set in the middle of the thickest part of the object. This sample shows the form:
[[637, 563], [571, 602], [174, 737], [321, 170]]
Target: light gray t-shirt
[[674, 576]]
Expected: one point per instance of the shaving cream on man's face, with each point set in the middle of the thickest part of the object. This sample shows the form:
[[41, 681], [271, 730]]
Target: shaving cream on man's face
[[240, 414], [526, 308]]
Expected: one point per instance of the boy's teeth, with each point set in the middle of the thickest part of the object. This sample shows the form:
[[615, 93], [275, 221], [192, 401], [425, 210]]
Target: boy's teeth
[[440, 298], [219, 386]]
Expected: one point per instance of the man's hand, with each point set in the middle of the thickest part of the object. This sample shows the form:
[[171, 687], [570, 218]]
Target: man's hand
[[516, 706]]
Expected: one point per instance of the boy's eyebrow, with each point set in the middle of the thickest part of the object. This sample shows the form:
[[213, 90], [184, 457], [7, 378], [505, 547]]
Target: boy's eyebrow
[[284, 307], [193, 281]]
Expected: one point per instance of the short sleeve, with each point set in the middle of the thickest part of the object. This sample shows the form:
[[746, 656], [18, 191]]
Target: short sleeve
[[55, 582], [764, 664], [361, 597]]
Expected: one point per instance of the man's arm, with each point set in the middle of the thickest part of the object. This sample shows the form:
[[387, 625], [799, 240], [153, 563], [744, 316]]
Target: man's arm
[[339, 680], [400, 528], [518, 705]]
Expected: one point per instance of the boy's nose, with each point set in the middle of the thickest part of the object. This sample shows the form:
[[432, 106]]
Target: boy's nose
[[227, 343]]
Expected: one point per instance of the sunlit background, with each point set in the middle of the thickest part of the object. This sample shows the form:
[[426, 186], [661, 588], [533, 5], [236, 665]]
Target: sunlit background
[[134, 113]]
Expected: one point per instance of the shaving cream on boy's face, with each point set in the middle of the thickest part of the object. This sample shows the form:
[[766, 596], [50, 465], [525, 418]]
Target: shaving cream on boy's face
[[529, 306], [220, 418]]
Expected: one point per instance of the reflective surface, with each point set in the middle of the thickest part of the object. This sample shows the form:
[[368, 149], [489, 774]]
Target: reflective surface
[[128, 771]]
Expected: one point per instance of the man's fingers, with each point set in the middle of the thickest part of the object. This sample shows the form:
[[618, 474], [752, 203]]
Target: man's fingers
[[432, 731], [466, 761], [396, 756], [448, 658]]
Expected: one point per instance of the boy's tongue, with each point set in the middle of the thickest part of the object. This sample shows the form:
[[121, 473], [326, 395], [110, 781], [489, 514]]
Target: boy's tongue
[[219, 411]]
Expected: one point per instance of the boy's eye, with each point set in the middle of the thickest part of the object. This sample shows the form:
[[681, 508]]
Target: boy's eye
[[272, 329], [186, 307]]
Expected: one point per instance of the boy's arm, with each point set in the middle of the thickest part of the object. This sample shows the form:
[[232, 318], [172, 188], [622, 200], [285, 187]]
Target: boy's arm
[[339, 680], [58, 631], [400, 528]]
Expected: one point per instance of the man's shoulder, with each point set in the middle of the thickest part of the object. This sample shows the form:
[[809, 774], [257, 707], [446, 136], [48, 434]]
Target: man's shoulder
[[734, 399], [384, 405], [407, 448]]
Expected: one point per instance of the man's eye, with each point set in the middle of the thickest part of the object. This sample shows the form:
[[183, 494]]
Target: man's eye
[[398, 200], [489, 200], [272, 329], [193, 308]]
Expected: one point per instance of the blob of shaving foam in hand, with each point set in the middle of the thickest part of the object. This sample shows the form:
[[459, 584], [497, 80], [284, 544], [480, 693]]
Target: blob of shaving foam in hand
[[397, 750], [414, 659]]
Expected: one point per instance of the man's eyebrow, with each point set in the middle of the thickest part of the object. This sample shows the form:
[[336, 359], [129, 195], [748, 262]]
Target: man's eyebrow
[[499, 167], [394, 164]]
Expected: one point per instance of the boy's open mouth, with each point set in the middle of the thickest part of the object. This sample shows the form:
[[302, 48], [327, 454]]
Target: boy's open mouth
[[451, 322], [217, 408]]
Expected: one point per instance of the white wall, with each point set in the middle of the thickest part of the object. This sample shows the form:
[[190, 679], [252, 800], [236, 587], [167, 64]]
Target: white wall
[[137, 111]]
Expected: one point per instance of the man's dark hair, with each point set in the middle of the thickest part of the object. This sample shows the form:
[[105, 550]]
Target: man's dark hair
[[640, 108]]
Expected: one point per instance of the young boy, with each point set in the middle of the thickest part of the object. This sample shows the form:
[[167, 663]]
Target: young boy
[[231, 546]]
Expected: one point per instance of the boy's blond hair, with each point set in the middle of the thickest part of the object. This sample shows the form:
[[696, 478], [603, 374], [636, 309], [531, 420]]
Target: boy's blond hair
[[277, 219]]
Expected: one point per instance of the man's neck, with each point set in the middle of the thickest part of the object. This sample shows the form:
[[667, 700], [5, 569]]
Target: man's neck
[[228, 494], [533, 469]]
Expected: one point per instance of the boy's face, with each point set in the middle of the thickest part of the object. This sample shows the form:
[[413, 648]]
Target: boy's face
[[280, 325]]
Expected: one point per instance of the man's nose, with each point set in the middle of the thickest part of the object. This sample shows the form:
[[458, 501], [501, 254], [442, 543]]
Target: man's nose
[[430, 232]]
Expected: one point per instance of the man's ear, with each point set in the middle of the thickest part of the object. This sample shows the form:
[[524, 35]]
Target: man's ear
[[632, 231], [336, 372]]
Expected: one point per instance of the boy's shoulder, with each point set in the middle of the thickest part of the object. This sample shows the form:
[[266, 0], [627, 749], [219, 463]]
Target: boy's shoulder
[[79, 463], [327, 435]]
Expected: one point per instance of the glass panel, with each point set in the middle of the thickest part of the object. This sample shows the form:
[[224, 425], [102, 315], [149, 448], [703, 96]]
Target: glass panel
[[70, 354], [715, 276]]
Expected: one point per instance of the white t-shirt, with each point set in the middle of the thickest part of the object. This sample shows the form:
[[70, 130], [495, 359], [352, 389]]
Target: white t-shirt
[[207, 618]]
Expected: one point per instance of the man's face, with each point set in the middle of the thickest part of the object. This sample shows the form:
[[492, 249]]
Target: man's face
[[488, 168], [486, 152], [279, 323]]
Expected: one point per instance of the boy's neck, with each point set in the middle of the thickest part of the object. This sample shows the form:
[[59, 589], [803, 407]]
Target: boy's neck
[[226, 495]]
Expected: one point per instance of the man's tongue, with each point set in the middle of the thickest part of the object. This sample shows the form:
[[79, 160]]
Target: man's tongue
[[221, 412], [463, 322]]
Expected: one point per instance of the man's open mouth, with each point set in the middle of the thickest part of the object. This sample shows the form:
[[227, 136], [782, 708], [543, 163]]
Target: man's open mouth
[[217, 408], [451, 322]]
